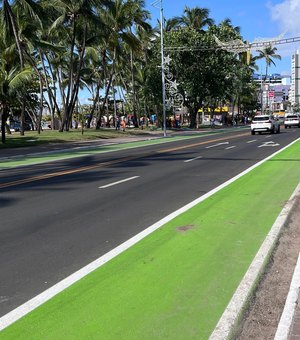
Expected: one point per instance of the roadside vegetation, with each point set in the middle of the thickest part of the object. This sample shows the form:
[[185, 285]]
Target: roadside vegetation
[[32, 138], [52, 50]]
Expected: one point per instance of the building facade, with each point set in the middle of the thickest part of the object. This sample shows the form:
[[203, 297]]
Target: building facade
[[294, 95]]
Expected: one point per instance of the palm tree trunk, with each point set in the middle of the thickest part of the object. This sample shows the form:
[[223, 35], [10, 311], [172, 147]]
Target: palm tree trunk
[[7, 8], [4, 117], [64, 123], [53, 94], [97, 96], [74, 94], [133, 89], [107, 90]]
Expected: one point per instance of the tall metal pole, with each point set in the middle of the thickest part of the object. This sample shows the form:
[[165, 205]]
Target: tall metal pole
[[261, 93], [163, 67]]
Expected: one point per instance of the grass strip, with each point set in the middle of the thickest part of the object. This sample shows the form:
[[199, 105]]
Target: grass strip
[[175, 283]]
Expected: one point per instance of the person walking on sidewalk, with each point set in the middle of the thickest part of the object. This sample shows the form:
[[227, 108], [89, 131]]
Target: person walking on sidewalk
[[123, 124]]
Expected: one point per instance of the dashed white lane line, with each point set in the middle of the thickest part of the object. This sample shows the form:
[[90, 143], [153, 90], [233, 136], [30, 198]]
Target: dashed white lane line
[[252, 141], [218, 144], [118, 182], [192, 159], [230, 147]]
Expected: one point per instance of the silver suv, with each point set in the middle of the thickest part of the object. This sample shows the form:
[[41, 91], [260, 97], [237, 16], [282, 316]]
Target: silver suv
[[291, 119], [265, 123]]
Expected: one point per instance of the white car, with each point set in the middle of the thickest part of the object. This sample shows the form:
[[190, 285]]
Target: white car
[[291, 120], [265, 123]]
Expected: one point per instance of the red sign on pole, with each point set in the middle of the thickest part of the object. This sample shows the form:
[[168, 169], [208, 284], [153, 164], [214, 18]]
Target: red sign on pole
[[271, 94]]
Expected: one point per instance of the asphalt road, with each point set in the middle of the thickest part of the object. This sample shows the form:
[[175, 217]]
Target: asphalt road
[[57, 217]]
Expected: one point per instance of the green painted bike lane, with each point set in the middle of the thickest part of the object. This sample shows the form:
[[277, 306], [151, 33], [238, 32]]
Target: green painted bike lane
[[176, 282]]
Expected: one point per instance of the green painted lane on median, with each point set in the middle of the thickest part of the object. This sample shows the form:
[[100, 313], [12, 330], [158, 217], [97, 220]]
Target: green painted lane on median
[[44, 157], [175, 283]]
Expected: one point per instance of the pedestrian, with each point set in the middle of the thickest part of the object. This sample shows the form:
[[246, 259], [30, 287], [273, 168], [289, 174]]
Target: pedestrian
[[117, 123], [123, 124]]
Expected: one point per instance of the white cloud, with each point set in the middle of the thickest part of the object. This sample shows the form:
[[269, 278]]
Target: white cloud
[[286, 14]]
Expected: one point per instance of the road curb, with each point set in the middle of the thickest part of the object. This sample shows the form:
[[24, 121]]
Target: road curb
[[234, 310], [288, 313]]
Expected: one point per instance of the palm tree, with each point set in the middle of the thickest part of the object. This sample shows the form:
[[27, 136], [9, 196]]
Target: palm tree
[[268, 53], [196, 18], [76, 22], [139, 17], [120, 40]]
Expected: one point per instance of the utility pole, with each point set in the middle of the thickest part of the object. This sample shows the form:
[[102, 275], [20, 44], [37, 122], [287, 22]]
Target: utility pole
[[154, 4]]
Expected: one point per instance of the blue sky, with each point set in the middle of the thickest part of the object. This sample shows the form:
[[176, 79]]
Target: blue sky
[[256, 18]]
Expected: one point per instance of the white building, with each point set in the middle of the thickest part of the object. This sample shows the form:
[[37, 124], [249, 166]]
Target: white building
[[294, 95]]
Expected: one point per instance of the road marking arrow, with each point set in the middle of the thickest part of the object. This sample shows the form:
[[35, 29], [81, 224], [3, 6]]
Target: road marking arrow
[[268, 144]]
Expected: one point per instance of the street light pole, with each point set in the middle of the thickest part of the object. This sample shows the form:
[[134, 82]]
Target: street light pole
[[162, 63], [261, 93]]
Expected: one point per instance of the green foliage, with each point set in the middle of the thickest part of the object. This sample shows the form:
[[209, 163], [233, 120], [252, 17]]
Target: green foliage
[[104, 44]]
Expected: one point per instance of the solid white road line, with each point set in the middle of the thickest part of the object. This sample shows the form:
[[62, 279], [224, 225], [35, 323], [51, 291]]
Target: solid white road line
[[118, 182], [192, 159], [48, 294]]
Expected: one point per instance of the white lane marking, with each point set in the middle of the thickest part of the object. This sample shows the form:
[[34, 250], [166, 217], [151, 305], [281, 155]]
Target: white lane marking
[[218, 144], [230, 147], [118, 182], [48, 294], [251, 141], [268, 144], [192, 159], [269, 136]]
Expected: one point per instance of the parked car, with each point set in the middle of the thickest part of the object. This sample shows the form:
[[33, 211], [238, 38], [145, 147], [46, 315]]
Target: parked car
[[14, 126], [46, 126], [291, 120], [265, 123]]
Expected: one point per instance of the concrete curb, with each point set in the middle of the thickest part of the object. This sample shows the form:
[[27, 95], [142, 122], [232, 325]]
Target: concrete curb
[[286, 319], [234, 310]]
